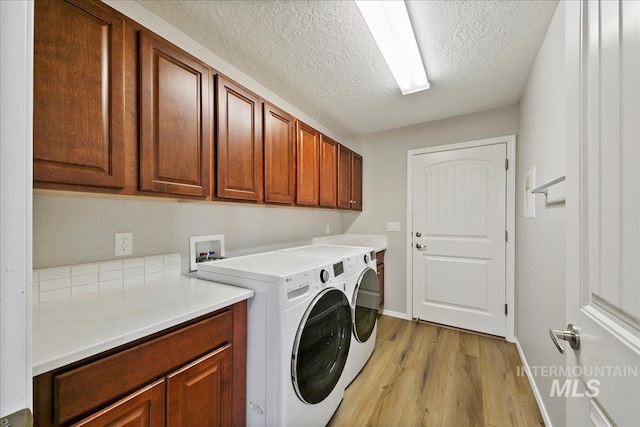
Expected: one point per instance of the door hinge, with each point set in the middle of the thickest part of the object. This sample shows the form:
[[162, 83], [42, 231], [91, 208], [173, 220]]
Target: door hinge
[[506, 310], [506, 164], [506, 235]]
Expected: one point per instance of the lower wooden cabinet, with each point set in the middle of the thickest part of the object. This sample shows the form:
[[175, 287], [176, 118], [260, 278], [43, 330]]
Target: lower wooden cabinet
[[196, 395], [199, 394], [380, 269], [189, 376], [144, 408]]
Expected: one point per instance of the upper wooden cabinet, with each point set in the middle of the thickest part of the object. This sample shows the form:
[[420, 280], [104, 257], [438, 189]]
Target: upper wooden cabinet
[[307, 165], [175, 124], [328, 172], [78, 90], [279, 156], [118, 109], [349, 179], [344, 177], [239, 144], [356, 181], [380, 268]]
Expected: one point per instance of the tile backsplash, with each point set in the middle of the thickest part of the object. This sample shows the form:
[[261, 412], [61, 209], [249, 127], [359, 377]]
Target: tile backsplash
[[56, 283]]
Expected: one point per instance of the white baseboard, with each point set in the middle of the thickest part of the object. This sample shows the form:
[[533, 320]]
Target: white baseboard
[[395, 314], [534, 387]]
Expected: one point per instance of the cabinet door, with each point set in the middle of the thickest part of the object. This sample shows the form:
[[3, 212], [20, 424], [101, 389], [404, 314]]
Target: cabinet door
[[328, 172], [175, 128], [356, 181], [144, 408], [78, 92], [199, 395], [380, 268], [307, 165], [344, 177], [239, 146], [279, 156]]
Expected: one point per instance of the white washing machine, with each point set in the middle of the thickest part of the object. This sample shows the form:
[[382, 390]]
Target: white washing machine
[[298, 334], [363, 291]]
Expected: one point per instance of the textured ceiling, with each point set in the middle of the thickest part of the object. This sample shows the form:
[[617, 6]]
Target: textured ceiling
[[320, 56]]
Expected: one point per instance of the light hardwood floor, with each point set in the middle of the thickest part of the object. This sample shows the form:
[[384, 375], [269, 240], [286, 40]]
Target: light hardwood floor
[[425, 375]]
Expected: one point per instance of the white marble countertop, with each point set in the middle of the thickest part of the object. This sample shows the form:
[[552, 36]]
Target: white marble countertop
[[72, 329]]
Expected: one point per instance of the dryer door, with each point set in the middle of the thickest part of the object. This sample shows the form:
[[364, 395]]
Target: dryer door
[[366, 297], [321, 346]]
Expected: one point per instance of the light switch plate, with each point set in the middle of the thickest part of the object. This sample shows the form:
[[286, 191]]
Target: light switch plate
[[529, 197], [393, 226]]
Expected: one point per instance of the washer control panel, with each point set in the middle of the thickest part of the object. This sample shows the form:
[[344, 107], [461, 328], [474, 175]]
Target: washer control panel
[[299, 285]]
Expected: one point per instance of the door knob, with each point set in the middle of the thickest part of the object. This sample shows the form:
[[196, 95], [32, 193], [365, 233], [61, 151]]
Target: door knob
[[572, 334], [420, 246]]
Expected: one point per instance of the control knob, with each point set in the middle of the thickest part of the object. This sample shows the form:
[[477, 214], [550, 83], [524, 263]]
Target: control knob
[[366, 258], [324, 276]]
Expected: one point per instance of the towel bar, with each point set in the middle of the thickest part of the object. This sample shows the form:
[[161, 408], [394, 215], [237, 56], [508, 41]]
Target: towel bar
[[543, 188]]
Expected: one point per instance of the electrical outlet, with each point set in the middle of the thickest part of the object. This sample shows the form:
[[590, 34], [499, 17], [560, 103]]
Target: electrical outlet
[[123, 244], [327, 229]]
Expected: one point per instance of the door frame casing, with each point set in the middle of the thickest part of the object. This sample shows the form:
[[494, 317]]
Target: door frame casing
[[16, 183], [510, 218], [575, 181]]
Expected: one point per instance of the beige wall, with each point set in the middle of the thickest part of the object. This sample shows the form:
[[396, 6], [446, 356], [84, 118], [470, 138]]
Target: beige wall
[[540, 246], [385, 181], [74, 229]]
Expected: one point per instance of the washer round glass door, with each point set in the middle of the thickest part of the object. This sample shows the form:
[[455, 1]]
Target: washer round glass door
[[367, 302], [321, 346]]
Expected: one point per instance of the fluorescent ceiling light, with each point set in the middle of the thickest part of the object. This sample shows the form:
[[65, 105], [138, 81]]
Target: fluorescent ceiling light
[[389, 23]]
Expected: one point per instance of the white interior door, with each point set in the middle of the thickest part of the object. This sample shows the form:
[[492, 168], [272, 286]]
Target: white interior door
[[459, 223], [603, 201]]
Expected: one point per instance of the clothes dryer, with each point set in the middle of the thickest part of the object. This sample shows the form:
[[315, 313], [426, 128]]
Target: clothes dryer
[[363, 291], [298, 334]]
